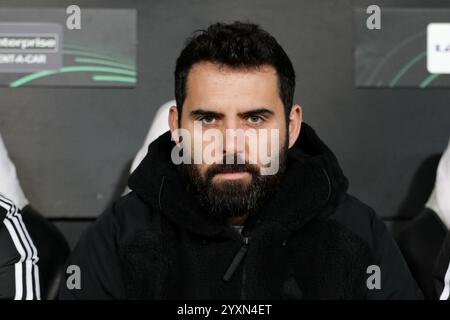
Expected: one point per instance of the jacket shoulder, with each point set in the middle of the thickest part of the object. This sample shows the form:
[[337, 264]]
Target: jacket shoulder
[[99, 251], [356, 216], [132, 215], [396, 279], [131, 206]]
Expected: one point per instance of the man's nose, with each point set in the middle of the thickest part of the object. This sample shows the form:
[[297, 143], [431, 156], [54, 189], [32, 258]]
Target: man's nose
[[234, 137]]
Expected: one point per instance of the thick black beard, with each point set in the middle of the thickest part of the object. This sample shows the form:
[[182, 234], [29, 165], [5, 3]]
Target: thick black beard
[[234, 198]]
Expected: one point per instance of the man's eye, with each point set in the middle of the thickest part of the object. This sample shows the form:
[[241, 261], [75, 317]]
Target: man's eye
[[255, 119], [208, 120]]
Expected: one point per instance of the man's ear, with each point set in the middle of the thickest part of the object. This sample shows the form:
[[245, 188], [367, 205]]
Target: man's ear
[[173, 123], [295, 124]]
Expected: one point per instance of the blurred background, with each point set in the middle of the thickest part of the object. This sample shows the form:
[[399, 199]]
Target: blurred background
[[73, 145]]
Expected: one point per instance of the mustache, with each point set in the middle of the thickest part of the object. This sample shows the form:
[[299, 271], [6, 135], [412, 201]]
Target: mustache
[[232, 167], [225, 168]]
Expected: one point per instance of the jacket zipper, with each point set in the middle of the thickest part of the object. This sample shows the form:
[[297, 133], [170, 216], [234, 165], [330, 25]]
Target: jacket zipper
[[236, 260]]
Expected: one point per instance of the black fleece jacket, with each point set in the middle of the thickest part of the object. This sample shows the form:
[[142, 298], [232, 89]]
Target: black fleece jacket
[[310, 241]]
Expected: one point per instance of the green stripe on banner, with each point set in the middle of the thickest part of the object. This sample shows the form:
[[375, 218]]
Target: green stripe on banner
[[114, 78], [406, 67], [104, 62], [42, 74], [428, 80], [93, 55]]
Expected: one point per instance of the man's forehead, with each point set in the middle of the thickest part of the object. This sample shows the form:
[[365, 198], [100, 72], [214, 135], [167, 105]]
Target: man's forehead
[[214, 87], [220, 79]]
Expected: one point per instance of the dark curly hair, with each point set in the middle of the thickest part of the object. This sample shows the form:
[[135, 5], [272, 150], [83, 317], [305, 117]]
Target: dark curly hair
[[237, 45]]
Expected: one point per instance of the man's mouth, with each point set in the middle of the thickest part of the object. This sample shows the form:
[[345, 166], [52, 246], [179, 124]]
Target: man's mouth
[[232, 174]]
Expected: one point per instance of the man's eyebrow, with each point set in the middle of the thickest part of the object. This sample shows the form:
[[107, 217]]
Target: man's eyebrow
[[202, 112], [258, 111]]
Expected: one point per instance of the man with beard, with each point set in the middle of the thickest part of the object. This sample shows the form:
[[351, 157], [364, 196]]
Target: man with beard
[[225, 230]]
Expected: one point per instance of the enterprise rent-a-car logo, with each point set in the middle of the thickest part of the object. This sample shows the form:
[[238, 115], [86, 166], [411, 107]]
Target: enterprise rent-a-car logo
[[38, 43], [22, 49]]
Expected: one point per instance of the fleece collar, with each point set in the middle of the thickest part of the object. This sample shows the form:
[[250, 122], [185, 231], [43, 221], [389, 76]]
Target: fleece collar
[[312, 182]]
